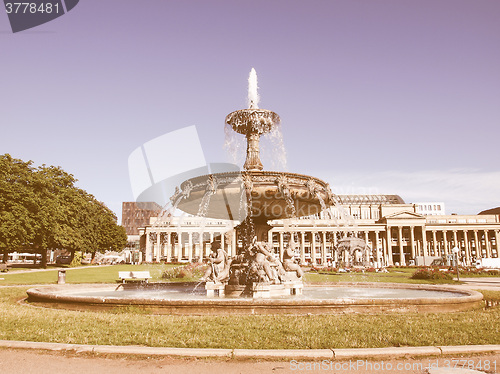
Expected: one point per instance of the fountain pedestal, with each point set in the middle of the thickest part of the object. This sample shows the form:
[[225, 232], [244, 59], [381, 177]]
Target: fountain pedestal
[[292, 285], [215, 289]]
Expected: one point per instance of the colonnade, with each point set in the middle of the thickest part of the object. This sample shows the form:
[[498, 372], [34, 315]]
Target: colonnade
[[386, 244], [185, 246]]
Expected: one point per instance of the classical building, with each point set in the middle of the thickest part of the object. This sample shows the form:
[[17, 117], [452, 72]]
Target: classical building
[[394, 233]]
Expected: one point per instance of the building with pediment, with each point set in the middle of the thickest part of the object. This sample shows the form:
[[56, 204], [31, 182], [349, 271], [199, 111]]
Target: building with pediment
[[393, 233]]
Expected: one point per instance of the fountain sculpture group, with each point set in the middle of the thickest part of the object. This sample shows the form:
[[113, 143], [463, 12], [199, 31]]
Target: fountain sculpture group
[[265, 195]]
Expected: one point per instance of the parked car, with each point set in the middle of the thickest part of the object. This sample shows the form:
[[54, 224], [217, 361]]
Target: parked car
[[63, 260]]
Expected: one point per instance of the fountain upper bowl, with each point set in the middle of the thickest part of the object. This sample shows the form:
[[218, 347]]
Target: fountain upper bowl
[[272, 195]]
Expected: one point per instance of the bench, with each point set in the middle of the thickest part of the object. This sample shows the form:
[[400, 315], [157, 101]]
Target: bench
[[133, 276]]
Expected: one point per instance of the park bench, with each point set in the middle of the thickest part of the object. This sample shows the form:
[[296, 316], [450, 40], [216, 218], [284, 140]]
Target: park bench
[[4, 267], [134, 276]]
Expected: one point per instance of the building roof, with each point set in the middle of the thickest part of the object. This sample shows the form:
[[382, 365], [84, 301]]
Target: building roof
[[370, 199], [491, 211]]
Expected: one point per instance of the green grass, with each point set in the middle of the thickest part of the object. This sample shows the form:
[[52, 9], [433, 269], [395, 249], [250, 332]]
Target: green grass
[[133, 327], [491, 295], [109, 274], [395, 275], [87, 274]]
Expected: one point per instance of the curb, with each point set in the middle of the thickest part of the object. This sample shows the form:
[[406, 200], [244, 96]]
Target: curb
[[304, 354]]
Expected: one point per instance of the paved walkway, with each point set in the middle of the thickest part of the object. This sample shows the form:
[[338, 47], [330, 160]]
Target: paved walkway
[[47, 362], [485, 283]]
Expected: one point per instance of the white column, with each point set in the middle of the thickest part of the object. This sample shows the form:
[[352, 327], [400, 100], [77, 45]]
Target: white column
[[209, 250], [466, 247], [455, 239], [190, 247], [487, 243], [377, 253], [149, 249], [445, 243], [402, 261], [412, 240], [169, 247], [323, 249], [497, 242], [367, 252], [334, 249], [434, 243], [302, 248], [477, 246], [389, 246], [313, 248], [281, 245], [179, 246], [200, 246], [425, 251], [158, 246]]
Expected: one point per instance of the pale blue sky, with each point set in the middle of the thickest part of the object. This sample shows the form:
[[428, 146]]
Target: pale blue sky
[[393, 96]]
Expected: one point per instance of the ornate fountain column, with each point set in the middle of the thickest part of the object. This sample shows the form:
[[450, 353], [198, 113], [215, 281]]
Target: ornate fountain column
[[253, 152]]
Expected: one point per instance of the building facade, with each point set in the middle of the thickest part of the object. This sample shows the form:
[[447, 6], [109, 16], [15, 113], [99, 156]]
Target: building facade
[[395, 233], [136, 215]]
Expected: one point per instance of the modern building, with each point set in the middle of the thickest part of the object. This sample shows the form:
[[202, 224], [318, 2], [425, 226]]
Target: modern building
[[395, 233], [430, 209], [136, 215]]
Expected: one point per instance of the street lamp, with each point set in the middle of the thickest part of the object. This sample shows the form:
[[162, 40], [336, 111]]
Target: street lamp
[[456, 251]]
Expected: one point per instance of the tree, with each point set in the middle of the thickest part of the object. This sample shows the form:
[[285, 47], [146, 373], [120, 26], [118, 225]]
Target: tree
[[42, 209], [16, 204]]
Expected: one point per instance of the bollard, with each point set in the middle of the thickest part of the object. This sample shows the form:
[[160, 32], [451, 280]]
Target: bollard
[[61, 277]]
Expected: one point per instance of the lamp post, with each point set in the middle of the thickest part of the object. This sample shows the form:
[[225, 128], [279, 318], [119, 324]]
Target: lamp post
[[456, 251]]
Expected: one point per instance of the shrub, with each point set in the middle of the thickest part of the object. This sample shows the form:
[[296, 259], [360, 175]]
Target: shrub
[[77, 260], [431, 274], [193, 270]]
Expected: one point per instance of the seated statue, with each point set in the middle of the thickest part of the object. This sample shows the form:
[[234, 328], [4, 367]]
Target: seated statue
[[265, 258], [218, 270], [259, 266], [288, 259]]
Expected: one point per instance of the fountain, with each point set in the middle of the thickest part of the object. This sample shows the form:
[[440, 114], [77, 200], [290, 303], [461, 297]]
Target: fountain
[[267, 195], [255, 281]]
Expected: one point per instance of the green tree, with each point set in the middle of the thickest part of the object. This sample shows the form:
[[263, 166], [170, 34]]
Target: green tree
[[42, 209], [16, 204]]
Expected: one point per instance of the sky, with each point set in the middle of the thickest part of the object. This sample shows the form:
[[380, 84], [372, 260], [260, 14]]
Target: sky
[[388, 96]]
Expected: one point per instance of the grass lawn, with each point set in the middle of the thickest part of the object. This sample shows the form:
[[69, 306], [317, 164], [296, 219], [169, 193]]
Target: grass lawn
[[395, 275], [86, 274], [134, 327], [109, 274]]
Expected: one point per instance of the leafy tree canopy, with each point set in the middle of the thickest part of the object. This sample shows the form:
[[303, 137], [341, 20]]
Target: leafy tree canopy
[[41, 208]]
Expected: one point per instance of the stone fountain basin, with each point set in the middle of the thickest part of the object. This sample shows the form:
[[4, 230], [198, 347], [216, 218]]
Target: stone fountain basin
[[268, 201], [179, 299]]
